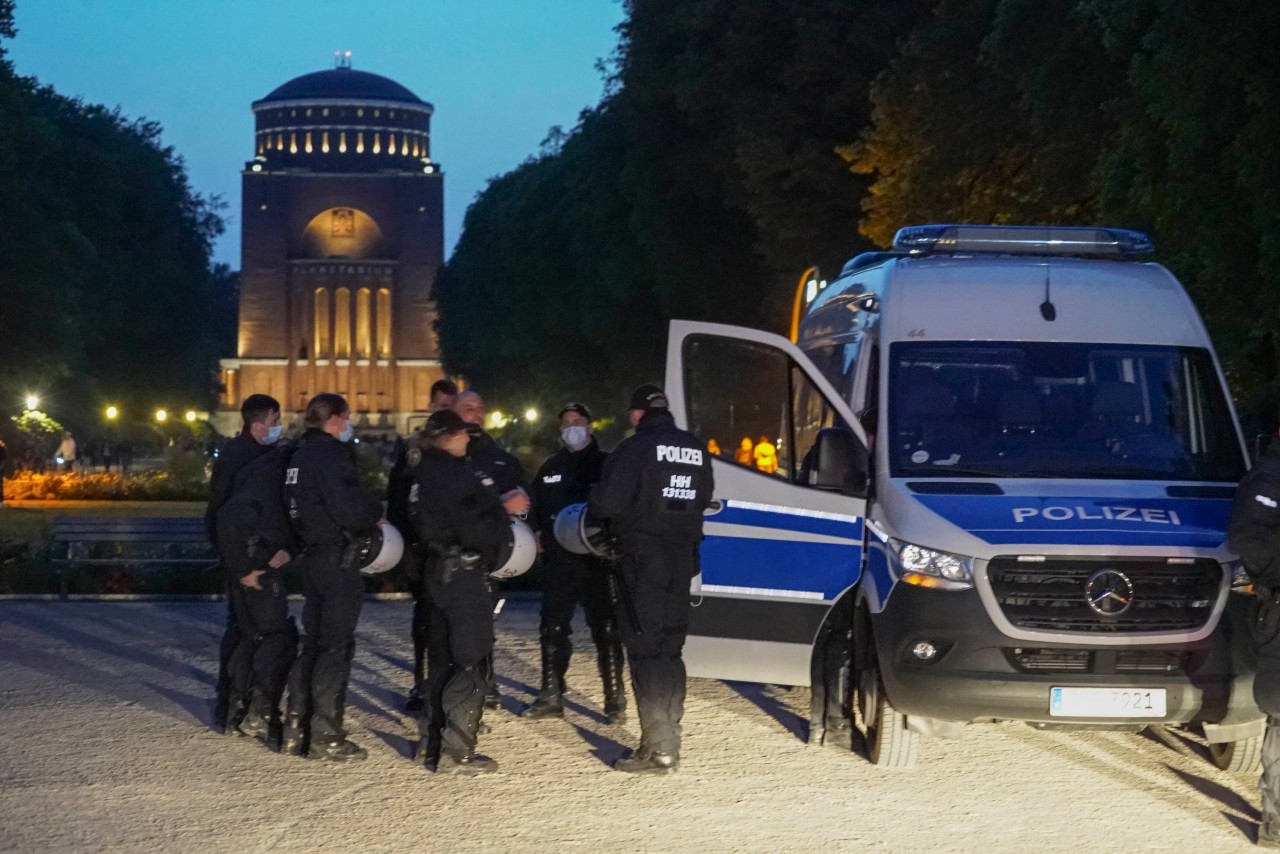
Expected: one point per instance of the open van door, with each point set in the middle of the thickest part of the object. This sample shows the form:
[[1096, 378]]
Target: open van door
[[785, 529]]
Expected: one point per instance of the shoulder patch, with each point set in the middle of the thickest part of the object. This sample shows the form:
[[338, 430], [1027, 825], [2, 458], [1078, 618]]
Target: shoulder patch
[[291, 476], [551, 478]]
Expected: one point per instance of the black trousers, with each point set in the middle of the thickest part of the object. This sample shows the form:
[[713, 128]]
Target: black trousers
[[657, 575], [260, 662], [419, 628], [318, 681], [567, 580], [458, 651]]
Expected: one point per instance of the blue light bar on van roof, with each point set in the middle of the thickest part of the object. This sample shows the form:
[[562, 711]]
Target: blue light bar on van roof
[[1023, 240]]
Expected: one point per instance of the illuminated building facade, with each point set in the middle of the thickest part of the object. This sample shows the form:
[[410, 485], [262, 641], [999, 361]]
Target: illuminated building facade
[[342, 234]]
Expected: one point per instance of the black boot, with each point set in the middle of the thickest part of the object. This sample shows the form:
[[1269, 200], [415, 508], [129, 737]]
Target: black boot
[[469, 764], [294, 737], [338, 751], [645, 761], [615, 689], [550, 700]]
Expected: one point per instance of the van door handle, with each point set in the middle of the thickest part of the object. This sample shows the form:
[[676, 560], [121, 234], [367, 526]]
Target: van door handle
[[714, 507]]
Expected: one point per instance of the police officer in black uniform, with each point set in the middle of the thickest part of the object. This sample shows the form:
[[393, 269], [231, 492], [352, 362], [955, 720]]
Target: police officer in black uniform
[[399, 484], [261, 417], [506, 479], [464, 527], [255, 540], [329, 511], [567, 579], [652, 492], [1254, 534]]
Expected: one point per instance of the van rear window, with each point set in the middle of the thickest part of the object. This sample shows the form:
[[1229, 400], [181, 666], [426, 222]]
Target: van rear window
[[1055, 410]]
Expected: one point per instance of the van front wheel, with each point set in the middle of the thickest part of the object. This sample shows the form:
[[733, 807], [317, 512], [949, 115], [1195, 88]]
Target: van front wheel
[[889, 743], [1238, 757]]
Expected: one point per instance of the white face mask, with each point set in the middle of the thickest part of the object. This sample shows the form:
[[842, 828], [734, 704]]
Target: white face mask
[[273, 434], [575, 437], [347, 432]]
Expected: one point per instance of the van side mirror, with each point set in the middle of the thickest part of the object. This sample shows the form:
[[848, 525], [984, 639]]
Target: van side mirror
[[838, 462]]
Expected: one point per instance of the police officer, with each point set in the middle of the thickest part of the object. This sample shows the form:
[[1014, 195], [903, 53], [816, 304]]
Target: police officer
[[566, 478], [254, 540], [1254, 534], [329, 511], [506, 477], [464, 527], [399, 484], [652, 492], [260, 414]]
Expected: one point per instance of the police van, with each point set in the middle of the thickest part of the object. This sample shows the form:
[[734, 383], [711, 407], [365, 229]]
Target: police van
[[1000, 465]]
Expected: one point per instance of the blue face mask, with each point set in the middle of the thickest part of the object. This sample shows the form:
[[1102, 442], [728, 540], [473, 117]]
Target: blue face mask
[[347, 432], [273, 434]]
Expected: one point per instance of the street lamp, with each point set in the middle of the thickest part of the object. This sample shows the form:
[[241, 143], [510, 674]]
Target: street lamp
[[161, 415], [531, 414], [32, 401], [112, 413], [191, 415]]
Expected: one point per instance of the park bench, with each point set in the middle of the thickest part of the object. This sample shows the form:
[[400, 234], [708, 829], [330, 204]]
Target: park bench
[[129, 541]]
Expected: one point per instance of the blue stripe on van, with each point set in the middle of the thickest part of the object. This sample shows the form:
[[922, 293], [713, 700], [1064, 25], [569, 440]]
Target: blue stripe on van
[[734, 513], [779, 564], [1161, 522]]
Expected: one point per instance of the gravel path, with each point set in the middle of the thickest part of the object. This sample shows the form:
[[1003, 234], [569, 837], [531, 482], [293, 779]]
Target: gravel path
[[104, 747]]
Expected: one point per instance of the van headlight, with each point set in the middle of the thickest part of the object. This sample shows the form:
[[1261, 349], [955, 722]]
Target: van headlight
[[930, 568]]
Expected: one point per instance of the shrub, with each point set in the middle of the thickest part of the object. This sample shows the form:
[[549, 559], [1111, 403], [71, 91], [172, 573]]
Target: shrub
[[112, 486]]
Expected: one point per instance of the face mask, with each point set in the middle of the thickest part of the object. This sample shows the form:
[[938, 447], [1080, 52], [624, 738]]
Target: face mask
[[273, 434], [575, 437], [347, 432]]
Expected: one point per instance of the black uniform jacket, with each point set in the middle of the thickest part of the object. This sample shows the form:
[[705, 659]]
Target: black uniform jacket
[[565, 478], [488, 458], [1254, 530], [452, 506], [656, 483], [399, 484], [233, 457], [253, 523], [326, 504]]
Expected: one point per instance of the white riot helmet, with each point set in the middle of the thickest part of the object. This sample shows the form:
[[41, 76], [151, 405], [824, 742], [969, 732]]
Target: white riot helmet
[[578, 532], [518, 552], [379, 551]]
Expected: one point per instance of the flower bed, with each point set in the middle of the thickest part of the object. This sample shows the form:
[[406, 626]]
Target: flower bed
[[112, 486]]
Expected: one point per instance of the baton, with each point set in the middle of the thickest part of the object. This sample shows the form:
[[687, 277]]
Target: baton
[[623, 593]]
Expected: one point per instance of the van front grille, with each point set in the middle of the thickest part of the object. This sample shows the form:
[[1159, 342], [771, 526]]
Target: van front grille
[[1051, 594]]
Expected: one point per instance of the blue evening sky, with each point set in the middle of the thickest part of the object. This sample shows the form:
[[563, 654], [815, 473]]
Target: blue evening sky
[[500, 73]]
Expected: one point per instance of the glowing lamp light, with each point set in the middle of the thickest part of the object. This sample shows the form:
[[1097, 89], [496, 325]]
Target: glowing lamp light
[[112, 413], [162, 415], [531, 414], [191, 415], [32, 401]]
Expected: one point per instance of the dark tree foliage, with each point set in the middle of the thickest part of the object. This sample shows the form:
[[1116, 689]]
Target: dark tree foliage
[[1154, 114], [701, 187], [105, 287]]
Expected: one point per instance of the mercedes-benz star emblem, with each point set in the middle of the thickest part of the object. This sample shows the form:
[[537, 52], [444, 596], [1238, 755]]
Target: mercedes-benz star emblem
[[1109, 592]]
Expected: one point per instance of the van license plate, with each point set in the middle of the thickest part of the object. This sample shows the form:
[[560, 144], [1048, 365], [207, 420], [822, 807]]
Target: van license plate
[[1107, 702]]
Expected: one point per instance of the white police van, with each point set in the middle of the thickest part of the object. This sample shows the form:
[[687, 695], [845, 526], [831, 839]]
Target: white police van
[[1005, 458]]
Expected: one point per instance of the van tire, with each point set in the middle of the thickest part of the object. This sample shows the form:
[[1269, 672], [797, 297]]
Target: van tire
[[889, 743], [1238, 757]]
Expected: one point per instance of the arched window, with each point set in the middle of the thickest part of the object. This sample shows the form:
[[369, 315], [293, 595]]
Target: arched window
[[324, 141], [363, 330], [391, 145], [308, 140], [293, 143], [360, 142], [342, 142], [377, 143], [384, 323], [322, 323], [342, 323]]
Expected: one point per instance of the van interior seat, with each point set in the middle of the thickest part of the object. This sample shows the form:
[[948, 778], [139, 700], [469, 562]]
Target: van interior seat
[[1113, 413]]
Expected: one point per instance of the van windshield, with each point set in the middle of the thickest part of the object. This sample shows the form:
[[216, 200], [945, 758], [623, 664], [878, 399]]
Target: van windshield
[[1052, 410]]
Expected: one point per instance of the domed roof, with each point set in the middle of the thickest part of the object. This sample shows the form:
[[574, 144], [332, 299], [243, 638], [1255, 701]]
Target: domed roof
[[344, 84]]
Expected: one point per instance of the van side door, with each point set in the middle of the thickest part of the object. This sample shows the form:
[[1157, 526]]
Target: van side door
[[783, 536]]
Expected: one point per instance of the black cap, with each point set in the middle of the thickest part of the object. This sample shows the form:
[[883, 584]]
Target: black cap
[[648, 396], [444, 421], [579, 408]]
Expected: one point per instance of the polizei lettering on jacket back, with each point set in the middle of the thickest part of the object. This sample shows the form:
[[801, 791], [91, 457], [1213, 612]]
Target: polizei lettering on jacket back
[[1063, 513], [677, 454]]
